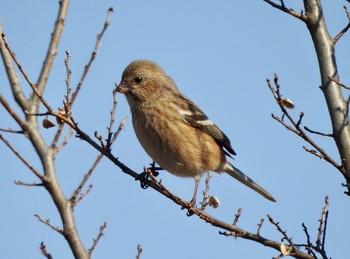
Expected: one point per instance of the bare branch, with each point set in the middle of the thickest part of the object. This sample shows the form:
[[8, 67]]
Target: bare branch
[[283, 232], [99, 236], [237, 215], [260, 226], [47, 222], [28, 184], [112, 120], [296, 126], [321, 236], [12, 131], [283, 8], [339, 83], [44, 251], [16, 88], [51, 52], [340, 34], [139, 251], [314, 152], [13, 114], [15, 59], [66, 139], [74, 200], [309, 245], [20, 157], [343, 31], [318, 133], [92, 58]]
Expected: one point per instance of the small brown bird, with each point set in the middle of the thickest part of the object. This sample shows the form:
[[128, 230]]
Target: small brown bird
[[173, 130]]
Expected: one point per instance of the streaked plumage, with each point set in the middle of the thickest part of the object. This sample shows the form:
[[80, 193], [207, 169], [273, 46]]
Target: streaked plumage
[[173, 130]]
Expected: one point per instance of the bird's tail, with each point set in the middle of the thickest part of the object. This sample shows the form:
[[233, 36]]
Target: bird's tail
[[240, 176]]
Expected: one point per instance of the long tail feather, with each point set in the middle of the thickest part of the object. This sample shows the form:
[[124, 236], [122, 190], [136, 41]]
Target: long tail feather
[[240, 176]]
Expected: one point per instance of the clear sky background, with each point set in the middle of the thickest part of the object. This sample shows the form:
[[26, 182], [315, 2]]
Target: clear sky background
[[219, 54]]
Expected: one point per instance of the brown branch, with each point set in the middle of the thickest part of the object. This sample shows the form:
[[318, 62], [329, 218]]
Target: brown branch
[[44, 251], [283, 8], [47, 222], [321, 236], [296, 126], [20, 157], [74, 198], [92, 58], [99, 236], [12, 75], [51, 52], [12, 131], [13, 114], [65, 140], [260, 226], [237, 215], [318, 133], [340, 34], [344, 30], [112, 120], [18, 182], [283, 232], [159, 187], [139, 251], [339, 83], [314, 152], [15, 59], [309, 245]]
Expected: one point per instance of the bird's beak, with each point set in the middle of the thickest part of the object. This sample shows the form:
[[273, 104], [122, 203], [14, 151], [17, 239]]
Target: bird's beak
[[123, 88]]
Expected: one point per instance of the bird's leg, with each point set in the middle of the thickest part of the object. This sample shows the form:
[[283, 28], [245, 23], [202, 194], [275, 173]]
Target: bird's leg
[[193, 200]]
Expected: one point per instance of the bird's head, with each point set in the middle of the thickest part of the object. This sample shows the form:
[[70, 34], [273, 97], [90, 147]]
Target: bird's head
[[143, 79]]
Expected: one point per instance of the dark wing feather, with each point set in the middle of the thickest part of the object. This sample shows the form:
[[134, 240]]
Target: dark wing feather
[[198, 119]]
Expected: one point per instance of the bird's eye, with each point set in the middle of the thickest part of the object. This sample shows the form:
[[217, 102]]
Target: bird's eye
[[138, 80]]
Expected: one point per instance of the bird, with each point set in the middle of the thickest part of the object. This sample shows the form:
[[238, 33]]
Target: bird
[[174, 131]]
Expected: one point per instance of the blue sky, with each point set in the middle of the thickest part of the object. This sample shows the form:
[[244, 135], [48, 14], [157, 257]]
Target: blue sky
[[220, 55]]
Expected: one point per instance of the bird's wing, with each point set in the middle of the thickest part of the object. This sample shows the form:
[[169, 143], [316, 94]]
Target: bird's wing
[[196, 118]]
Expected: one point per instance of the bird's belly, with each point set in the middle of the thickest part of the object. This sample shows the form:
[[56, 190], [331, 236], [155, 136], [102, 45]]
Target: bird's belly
[[174, 149]]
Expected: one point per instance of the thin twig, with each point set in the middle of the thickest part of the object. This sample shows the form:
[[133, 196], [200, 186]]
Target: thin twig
[[66, 102], [339, 83], [237, 215], [139, 251], [74, 198], [18, 182], [12, 131], [15, 59], [297, 126], [283, 232], [260, 226], [47, 222], [99, 236], [13, 114], [65, 140], [309, 245], [314, 152], [320, 242], [92, 58], [44, 251], [12, 75], [51, 53], [20, 157], [112, 120], [318, 133], [283, 8]]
